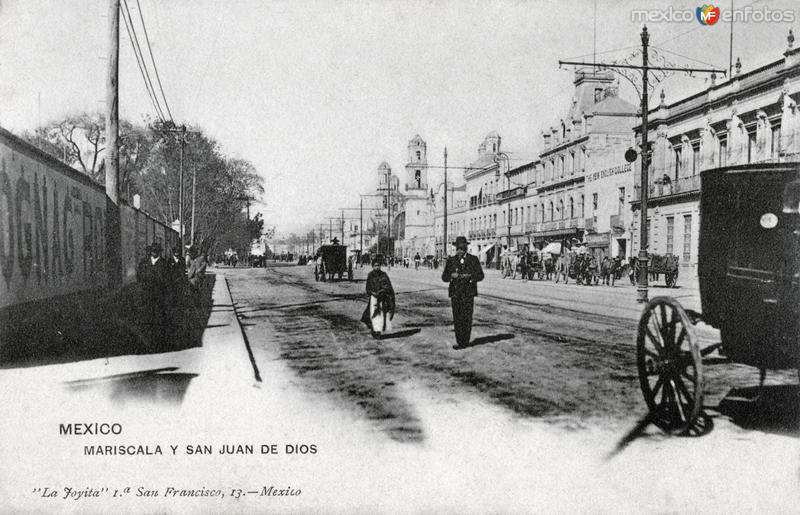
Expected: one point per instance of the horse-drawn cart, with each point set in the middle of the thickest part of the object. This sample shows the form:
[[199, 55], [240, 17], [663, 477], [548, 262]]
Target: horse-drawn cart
[[667, 264], [332, 261], [749, 288]]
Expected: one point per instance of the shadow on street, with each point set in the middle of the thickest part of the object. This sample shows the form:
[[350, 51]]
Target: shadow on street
[[162, 385], [86, 326]]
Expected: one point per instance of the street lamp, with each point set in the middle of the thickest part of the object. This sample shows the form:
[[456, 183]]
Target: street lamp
[[497, 157]]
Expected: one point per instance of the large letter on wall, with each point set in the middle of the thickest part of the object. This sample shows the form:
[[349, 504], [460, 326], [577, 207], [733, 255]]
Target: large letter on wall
[[6, 226]]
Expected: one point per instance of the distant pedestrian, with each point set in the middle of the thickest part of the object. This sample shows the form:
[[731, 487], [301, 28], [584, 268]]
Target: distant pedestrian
[[380, 302], [463, 271], [195, 273], [417, 261]]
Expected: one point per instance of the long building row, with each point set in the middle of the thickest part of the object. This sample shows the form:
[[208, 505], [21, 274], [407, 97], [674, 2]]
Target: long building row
[[580, 186]]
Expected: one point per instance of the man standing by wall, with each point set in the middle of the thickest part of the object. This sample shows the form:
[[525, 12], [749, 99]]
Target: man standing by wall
[[463, 271]]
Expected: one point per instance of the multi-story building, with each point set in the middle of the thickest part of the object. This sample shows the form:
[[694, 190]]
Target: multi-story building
[[752, 117], [482, 178], [516, 206], [582, 172], [456, 216]]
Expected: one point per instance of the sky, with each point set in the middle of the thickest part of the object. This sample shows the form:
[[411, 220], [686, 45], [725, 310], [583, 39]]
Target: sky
[[316, 94]]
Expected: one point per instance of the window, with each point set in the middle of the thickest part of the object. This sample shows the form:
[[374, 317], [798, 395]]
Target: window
[[541, 216], [571, 208], [594, 202], [695, 159], [677, 162], [551, 211], [621, 206], [598, 94], [751, 146], [582, 206], [670, 233], [561, 166], [560, 209], [775, 146], [418, 178], [573, 163], [687, 237], [419, 155]]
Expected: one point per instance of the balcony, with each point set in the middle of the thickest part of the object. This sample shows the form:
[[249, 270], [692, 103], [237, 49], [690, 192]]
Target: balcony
[[664, 189], [588, 224], [513, 193]]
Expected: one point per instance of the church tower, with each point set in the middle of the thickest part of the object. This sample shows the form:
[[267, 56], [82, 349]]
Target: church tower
[[418, 204], [417, 167]]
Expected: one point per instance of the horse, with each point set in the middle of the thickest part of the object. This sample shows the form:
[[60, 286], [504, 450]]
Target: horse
[[510, 266], [608, 270], [548, 266], [563, 265]]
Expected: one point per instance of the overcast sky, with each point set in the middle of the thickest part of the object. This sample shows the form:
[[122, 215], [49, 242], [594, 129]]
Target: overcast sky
[[317, 94]]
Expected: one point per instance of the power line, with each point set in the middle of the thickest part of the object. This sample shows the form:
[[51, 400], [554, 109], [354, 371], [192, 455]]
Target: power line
[[152, 59], [683, 56], [140, 60]]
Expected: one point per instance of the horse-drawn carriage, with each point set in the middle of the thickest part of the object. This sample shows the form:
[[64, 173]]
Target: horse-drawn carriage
[[749, 275], [667, 264], [331, 260]]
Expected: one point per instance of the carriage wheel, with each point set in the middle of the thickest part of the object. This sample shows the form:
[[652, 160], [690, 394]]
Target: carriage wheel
[[670, 368]]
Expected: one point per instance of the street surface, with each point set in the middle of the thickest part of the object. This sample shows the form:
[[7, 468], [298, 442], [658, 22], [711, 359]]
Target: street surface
[[548, 390]]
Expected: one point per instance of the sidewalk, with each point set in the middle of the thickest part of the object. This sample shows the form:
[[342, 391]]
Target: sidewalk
[[222, 358]]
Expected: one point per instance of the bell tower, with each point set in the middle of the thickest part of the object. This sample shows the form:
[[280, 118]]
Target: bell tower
[[417, 167]]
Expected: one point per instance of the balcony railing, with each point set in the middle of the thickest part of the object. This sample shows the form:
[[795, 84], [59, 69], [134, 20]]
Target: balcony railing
[[513, 193], [663, 189]]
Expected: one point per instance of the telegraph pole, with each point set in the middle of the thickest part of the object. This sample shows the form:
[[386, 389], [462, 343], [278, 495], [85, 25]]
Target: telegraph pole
[[445, 245], [113, 234], [180, 191], [112, 105], [641, 290]]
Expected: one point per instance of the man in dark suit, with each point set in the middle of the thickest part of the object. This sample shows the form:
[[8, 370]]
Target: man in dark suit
[[153, 276], [463, 271]]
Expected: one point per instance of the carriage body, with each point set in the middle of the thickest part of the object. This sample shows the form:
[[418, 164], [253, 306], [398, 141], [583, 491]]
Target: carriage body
[[332, 263], [749, 273], [748, 262]]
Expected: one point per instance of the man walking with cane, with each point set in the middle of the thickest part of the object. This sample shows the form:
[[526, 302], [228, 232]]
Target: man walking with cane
[[463, 271]]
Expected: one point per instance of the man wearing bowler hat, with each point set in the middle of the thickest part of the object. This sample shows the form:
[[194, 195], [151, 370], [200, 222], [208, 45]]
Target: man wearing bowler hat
[[462, 271]]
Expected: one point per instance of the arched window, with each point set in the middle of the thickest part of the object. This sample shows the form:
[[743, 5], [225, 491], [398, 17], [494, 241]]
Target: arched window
[[560, 209], [419, 155], [551, 211], [541, 214], [581, 207], [571, 208]]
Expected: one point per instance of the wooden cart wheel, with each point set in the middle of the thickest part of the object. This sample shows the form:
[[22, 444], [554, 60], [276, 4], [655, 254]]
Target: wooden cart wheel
[[670, 368]]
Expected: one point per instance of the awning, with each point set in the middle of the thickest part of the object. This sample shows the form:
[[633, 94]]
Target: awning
[[552, 248], [485, 249]]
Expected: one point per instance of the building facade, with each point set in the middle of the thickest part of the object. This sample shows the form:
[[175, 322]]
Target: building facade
[[751, 118], [583, 174]]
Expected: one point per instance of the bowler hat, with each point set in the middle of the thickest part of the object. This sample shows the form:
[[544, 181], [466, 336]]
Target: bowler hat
[[460, 239]]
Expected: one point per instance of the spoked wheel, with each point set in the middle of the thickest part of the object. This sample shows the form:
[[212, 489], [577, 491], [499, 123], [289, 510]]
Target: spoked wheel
[[670, 369]]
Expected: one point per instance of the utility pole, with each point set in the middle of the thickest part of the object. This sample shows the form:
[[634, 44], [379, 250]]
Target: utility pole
[[114, 229], [112, 105], [194, 189], [445, 245], [388, 213], [641, 290], [180, 189], [361, 229], [342, 226]]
